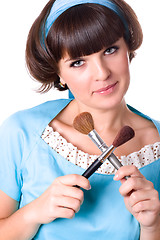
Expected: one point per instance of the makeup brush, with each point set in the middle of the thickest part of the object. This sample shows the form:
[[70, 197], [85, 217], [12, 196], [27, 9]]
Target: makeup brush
[[84, 124], [124, 135]]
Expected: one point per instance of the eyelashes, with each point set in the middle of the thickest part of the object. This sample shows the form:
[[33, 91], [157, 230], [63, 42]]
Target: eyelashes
[[77, 63], [111, 50]]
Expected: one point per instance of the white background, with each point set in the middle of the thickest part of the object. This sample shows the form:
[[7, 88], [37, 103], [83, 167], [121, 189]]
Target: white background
[[17, 89]]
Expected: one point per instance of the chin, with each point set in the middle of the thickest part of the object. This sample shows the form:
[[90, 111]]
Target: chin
[[110, 104]]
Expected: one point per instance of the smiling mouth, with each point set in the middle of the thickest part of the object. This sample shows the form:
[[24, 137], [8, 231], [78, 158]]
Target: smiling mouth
[[107, 89]]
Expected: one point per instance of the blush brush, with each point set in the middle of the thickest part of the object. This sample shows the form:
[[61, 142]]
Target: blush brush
[[124, 135]]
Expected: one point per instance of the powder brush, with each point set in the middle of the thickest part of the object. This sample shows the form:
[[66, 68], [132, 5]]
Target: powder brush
[[124, 135], [84, 123]]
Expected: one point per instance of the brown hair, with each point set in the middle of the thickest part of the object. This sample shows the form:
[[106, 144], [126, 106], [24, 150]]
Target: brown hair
[[81, 30]]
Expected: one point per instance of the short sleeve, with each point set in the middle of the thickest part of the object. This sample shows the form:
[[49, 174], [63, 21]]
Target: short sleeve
[[11, 147]]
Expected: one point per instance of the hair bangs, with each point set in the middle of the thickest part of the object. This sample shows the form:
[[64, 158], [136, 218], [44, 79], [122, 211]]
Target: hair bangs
[[85, 29]]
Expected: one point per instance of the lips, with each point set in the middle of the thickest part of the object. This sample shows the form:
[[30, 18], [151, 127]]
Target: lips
[[106, 89]]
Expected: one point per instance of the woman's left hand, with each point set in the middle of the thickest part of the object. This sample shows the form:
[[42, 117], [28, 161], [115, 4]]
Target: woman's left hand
[[140, 197]]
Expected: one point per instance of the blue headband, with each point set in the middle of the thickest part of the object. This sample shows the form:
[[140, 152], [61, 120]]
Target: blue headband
[[59, 6]]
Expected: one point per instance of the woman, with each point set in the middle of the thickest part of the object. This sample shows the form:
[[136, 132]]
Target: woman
[[86, 46]]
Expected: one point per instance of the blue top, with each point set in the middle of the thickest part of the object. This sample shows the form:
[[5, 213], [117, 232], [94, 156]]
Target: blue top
[[28, 165]]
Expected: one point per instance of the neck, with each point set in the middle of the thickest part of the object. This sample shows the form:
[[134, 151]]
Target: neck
[[109, 119]]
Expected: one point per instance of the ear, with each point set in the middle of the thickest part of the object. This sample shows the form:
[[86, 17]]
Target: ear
[[62, 81], [132, 55]]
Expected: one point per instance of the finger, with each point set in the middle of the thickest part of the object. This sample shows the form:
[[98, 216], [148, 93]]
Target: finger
[[68, 202], [68, 191], [146, 205], [75, 179], [127, 171], [140, 195], [144, 195], [134, 184], [62, 212]]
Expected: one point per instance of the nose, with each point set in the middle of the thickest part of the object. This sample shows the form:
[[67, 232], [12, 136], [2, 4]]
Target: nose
[[100, 70]]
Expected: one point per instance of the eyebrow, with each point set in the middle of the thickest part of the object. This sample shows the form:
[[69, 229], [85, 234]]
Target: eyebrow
[[68, 60], [72, 59]]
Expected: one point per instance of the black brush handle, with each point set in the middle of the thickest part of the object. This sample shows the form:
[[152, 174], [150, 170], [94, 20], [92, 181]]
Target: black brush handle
[[92, 168], [97, 163]]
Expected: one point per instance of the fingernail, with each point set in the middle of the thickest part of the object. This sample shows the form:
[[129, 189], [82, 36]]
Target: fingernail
[[89, 187], [115, 176]]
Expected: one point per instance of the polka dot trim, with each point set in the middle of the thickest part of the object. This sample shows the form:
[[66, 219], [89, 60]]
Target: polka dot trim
[[145, 156]]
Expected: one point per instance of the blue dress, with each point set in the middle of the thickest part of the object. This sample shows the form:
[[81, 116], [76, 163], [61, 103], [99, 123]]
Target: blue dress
[[28, 165]]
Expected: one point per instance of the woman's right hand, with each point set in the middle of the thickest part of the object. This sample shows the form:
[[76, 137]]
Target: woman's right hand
[[60, 200]]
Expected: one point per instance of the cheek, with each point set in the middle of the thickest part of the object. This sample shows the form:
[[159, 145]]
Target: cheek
[[122, 65], [74, 83], [75, 80]]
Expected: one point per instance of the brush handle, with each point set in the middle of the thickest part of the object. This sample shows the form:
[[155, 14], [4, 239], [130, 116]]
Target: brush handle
[[114, 161], [92, 168], [100, 160]]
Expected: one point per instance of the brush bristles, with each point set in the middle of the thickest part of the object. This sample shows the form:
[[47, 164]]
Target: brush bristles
[[124, 135], [84, 123]]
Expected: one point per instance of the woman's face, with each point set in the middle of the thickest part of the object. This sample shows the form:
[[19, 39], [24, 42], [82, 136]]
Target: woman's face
[[99, 80]]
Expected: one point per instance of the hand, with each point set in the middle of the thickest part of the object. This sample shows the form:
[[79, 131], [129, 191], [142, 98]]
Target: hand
[[61, 199], [140, 197]]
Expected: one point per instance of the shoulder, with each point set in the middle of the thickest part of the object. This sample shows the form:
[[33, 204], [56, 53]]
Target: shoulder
[[150, 133], [22, 130], [147, 129], [35, 118]]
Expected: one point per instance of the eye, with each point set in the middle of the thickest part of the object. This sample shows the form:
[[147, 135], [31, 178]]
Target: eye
[[111, 50], [77, 63]]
